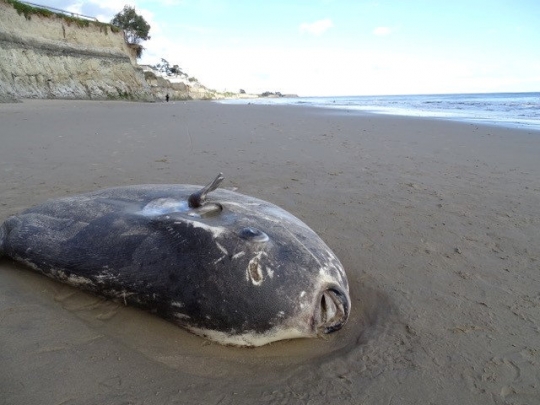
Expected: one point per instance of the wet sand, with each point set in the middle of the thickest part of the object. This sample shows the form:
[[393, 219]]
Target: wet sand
[[437, 224]]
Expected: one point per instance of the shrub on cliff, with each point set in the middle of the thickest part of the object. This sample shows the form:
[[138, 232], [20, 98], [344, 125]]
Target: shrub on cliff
[[165, 67], [135, 27]]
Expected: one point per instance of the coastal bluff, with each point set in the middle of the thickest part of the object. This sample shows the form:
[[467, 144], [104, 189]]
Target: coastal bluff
[[51, 57]]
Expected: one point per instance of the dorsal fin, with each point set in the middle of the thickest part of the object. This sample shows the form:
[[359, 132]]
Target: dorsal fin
[[198, 199]]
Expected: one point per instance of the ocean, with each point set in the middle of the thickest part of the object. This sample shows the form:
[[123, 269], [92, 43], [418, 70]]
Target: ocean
[[506, 109]]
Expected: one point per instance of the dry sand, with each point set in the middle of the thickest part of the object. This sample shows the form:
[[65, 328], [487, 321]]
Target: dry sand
[[437, 224]]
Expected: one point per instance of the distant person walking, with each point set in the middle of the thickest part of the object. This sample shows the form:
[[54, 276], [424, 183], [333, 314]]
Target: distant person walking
[[167, 97]]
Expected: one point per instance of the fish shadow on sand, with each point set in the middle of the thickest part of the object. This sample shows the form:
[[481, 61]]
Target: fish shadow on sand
[[374, 332]]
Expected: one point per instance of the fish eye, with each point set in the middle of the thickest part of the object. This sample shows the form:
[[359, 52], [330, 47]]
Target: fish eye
[[253, 234]]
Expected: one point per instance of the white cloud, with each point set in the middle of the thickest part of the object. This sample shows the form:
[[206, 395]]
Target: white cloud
[[316, 28], [111, 5], [382, 31], [75, 8], [326, 71]]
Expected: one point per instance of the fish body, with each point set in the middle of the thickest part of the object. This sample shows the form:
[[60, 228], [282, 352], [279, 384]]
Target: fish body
[[229, 267]]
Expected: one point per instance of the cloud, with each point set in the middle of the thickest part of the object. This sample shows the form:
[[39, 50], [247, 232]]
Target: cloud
[[111, 5], [316, 28], [75, 7], [382, 31], [336, 70]]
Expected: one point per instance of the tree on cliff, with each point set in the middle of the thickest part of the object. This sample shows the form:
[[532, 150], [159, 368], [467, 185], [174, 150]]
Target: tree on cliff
[[135, 27], [165, 67]]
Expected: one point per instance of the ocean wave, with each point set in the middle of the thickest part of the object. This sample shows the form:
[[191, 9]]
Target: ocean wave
[[507, 109]]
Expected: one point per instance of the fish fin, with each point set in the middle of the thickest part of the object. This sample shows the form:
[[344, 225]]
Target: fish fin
[[197, 199]]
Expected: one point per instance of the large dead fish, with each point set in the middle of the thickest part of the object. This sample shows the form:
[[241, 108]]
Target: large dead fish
[[232, 268]]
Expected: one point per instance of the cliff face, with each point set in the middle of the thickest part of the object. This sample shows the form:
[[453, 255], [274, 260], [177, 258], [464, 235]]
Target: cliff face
[[177, 87], [47, 57]]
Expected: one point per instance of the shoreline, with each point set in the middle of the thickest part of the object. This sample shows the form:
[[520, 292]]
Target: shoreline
[[335, 110], [436, 223], [496, 109]]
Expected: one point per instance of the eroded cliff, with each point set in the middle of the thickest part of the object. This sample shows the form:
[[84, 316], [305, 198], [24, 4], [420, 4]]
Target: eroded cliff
[[51, 57]]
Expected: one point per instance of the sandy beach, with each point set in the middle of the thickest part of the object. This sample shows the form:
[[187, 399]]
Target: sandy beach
[[437, 224]]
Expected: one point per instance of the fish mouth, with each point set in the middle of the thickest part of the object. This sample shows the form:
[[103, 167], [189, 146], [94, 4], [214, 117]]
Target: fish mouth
[[333, 310]]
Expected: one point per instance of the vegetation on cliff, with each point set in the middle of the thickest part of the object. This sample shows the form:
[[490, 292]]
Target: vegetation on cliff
[[28, 11], [135, 27], [165, 67]]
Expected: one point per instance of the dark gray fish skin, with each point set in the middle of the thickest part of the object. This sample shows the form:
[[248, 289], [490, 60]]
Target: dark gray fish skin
[[237, 270]]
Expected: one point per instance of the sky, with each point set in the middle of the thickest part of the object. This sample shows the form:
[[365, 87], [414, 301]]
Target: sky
[[341, 47]]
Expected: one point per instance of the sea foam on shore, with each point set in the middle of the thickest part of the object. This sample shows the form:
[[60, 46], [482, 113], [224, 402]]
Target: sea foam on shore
[[504, 109]]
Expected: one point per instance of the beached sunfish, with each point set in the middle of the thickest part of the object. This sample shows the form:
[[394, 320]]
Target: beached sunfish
[[232, 268]]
